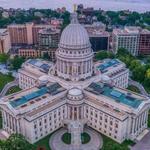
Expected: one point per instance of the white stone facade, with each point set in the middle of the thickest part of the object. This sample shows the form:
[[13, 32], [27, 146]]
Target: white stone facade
[[31, 71], [55, 100], [115, 70], [127, 38]]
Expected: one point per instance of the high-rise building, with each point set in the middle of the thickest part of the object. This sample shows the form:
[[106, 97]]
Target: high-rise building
[[35, 30], [48, 41], [127, 38], [144, 43], [99, 38], [4, 41], [25, 34]]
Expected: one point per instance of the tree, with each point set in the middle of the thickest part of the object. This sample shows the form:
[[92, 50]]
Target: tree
[[3, 58], [16, 142], [134, 63], [46, 56], [122, 52], [148, 73], [104, 54], [17, 62], [138, 73], [2, 145]]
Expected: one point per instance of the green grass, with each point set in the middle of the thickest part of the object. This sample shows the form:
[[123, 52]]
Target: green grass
[[43, 143], [147, 88], [66, 138], [148, 119], [4, 79], [109, 144], [85, 137], [13, 90], [133, 88], [0, 120]]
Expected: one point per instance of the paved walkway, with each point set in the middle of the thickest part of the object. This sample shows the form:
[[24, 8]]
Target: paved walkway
[[8, 86], [139, 86], [95, 143], [3, 135], [144, 144]]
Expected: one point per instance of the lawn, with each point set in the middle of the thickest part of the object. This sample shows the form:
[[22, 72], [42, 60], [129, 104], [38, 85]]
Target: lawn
[[43, 143], [109, 144], [4, 79], [85, 138], [66, 138], [13, 90], [0, 119], [149, 119], [133, 88]]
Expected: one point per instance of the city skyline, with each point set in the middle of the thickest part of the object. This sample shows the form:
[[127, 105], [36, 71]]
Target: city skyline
[[133, 5]]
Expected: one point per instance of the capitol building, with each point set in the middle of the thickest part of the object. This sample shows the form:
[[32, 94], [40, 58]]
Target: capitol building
[[74, 89]]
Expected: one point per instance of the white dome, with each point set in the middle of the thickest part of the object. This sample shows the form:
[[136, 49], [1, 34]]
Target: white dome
[[75, 92], [74, 36], [105, 78], [43, 78]]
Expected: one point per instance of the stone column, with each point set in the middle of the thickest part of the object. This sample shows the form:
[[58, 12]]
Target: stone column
[[146, 116], [142, 121], [18, 127], [133, 125]]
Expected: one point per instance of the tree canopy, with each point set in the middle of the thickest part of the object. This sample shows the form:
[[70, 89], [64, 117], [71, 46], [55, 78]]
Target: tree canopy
[[15, 142], [16, 62], [4, 57]]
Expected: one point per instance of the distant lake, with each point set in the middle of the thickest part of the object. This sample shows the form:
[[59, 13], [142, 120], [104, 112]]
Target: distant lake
[[133, 5]]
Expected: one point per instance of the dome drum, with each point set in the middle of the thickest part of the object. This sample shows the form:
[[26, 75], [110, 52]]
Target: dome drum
[[74, 55], [75, 94]]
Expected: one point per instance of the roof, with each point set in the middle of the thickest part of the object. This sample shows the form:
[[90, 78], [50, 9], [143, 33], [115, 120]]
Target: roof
[[74, 36], [107, 64], [40, 64], [118, 95], [3, 31], [21, 100], [75, 92]]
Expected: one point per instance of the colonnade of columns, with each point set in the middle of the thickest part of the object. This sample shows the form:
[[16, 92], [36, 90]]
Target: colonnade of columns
[[78, 68], [139, 122], [10, 123], [75, 112]]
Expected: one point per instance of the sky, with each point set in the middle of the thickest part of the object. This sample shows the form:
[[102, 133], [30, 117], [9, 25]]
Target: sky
[[134, 5]]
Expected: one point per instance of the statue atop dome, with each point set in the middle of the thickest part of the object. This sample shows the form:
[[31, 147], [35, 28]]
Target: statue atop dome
[[74, 18]]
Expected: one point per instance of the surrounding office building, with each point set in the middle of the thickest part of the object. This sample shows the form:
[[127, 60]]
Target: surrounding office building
[[144, 43], [127, 38], [99, 38], [35, 31], [57, 23], [25, 34], [73, 91], [115, 70], [48, 42], [29, 52], [5, 45]]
